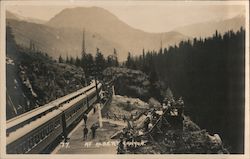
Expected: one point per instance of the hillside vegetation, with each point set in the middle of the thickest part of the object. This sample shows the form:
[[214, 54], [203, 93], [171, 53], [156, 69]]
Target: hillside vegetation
[[34, 79], [209, 73]]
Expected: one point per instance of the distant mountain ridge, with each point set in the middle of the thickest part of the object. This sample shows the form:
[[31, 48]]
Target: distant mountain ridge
[[63, 34], [208, 28], [10, 15]]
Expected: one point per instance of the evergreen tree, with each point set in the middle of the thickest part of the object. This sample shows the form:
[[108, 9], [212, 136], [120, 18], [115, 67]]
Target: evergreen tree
[[129, 61], [209, 74], [115, 55], [110, 61], [71, 60], [67, 59], [87, 63], [100, 62], [77, 62], [60, 59]]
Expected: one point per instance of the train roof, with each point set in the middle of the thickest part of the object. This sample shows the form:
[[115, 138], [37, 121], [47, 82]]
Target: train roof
[[30, 114]]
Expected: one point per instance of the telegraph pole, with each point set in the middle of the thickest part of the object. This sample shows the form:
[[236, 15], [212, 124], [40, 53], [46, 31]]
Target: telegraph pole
[[83, 43], [98, 97], [96, 84], [84, 53]]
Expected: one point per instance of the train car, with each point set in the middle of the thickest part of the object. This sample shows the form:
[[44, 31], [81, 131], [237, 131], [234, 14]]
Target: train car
[[36, 135], [34, 114]]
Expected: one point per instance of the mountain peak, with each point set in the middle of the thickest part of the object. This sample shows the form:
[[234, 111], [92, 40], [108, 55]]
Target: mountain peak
[[103, 30], [82, 16]]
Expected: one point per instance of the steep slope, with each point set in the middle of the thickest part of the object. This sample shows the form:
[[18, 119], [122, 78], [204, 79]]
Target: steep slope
[[191, 139], [208, 28], [13, 88], [34, 79], [59, 41], [10, 15]]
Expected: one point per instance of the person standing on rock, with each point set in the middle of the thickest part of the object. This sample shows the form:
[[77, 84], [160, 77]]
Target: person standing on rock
[[146, 122], [120, 147]]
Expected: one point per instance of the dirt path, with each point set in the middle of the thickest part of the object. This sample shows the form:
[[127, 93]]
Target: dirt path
[[102, 144]]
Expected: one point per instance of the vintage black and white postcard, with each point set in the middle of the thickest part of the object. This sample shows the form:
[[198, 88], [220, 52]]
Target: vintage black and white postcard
[[169, 79]]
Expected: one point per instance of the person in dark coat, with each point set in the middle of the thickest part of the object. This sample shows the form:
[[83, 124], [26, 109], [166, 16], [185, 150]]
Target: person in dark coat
[[124, 118], [93, 129], [85, 118], [85, 132], [120, 147], [146, 122]]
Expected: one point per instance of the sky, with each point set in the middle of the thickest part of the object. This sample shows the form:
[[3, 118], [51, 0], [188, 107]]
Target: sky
[[149, 18]]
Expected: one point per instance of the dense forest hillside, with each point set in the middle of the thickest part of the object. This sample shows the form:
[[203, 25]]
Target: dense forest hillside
[[209, 74], [34, 79]]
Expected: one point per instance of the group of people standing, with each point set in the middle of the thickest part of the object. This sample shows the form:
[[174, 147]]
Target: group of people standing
[[86, 130]]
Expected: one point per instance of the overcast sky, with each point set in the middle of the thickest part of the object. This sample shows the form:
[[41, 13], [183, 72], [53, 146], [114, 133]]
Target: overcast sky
[[150, 18]]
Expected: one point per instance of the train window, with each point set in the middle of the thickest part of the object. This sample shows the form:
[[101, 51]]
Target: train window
[[35, 140], [44, 131], [30, 142], [51, 127], [42, 134], [57, 123], [23, 147], [16, 150], [37, 137], [19, 149], [26, 146], [47, 130]]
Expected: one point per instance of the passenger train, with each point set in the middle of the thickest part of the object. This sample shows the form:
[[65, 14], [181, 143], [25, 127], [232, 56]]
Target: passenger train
[[33, 131]]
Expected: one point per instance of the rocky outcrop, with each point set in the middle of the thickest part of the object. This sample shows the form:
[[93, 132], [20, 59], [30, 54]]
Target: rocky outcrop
[[190, 139], [128, 82]]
